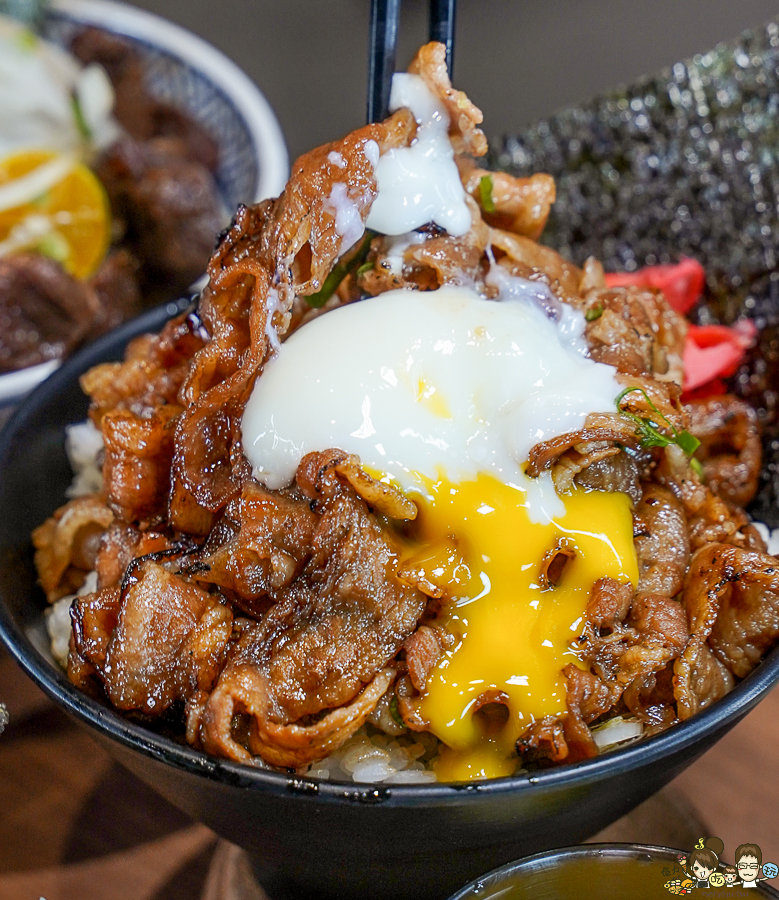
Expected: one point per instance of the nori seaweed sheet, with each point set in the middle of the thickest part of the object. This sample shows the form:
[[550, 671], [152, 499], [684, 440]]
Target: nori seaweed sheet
[[683, 163]]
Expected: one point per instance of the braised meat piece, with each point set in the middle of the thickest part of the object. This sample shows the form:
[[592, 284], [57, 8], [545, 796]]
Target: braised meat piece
[[609, 604], [44, 312], [567, 738], [635, 331], [464, 115], [169, 643], [423, 650], [151, 374], [520, 205], [428, 260], [615, 472], [116, 285], [142, 115], [138, 454], [94, 618], [742, 586], [662, 544], [168, 205], [270, 545], [66, 545], [327, 641], [732, 598], [730, 449]]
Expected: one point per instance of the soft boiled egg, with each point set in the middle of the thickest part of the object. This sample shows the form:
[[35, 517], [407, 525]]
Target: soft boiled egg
[[444, 393]]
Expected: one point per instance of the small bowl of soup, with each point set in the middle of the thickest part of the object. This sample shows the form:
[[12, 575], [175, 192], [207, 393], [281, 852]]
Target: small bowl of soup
[[606, 871]]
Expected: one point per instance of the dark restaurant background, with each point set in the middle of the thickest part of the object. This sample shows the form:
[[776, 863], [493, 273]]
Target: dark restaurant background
[[519, 60]]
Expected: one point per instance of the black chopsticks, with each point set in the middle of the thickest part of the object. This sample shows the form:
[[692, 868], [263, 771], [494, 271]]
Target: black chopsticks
[[442, 14], [385, 17]]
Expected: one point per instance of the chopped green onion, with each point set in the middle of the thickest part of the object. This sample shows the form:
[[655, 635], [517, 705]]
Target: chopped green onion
[[688, 442], [395, 711], [593, 313], [649, 431], [695, 465], [339, 272], [26, 40], [42, 200], [54, 246], [485, 194], [365, 267], [81, 123]]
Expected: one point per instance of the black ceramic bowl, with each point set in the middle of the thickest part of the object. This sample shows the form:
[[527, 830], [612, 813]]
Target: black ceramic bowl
[[605, 871], [311, 838]]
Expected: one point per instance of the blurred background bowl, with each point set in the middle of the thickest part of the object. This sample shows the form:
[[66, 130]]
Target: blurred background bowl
[[307, 838], [186, 72]]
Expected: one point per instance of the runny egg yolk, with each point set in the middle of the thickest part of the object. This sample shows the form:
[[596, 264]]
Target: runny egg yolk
[[513, 629]]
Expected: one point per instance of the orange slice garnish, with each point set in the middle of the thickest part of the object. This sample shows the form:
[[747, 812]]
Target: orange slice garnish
[[52, 205]]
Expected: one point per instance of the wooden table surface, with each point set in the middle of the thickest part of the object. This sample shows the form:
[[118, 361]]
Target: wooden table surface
[[76, 826]]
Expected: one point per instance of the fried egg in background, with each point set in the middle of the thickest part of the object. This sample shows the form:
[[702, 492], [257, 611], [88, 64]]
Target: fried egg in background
[[443, 393]]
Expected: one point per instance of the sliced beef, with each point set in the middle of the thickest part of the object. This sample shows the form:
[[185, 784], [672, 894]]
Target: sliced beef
[[520, 205], [151, 375], [271, 544], [66, 545], [633, 330], [326, 643], [168, 204], [44, 312], [616, 472], [138, 452], [661, 541], [464, 116], [170, 641], [94, 617], [742, 586], [609, 604], [730, 451], [423, 651]]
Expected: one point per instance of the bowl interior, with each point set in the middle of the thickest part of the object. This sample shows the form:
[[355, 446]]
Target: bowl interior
[[34, 474]]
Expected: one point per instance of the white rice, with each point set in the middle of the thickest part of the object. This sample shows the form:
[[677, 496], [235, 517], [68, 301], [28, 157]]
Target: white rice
[[770, 537], [370, 757], [84, 446], [615, 732], [58, 620]]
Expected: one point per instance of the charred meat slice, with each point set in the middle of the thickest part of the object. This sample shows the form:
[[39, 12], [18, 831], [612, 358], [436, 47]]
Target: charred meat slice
[[327, 639], [170, 641]]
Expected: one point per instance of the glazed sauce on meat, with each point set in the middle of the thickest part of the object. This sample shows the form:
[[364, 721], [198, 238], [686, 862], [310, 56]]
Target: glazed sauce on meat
[[520, 597], [447, 412]]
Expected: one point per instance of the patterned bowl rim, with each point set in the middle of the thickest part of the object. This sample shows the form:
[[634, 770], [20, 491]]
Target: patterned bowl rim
[[270, 147]]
